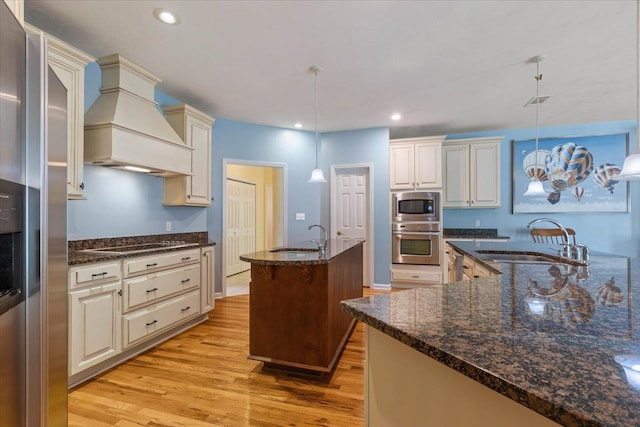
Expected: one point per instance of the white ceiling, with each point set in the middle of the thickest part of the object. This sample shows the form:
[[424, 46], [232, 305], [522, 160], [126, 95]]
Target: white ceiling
[[446, 66]]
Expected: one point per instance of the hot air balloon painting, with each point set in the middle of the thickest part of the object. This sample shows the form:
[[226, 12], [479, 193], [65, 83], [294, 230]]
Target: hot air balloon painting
[[605, 176], [534, 165], [579, 174], [568, 164], [578, 192]]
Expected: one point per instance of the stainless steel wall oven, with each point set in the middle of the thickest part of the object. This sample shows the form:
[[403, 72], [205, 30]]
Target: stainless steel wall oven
[[416, 243]]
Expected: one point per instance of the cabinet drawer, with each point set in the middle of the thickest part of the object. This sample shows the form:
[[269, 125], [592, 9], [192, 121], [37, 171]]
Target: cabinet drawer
[[149, 321], [415, 276], [156, 262], [93, 273], [151, 287]]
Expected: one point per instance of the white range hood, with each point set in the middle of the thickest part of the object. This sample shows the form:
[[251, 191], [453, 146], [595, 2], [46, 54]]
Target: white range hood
[[125, 128]]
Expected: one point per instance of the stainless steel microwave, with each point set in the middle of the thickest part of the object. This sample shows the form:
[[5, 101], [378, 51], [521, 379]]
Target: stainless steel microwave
[[416, 206]]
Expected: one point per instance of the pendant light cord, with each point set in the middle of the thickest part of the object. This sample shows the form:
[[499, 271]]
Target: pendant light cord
[[538, 77], [316, 105]]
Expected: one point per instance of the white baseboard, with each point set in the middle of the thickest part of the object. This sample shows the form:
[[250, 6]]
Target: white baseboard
[[217, 295], [381, 286]]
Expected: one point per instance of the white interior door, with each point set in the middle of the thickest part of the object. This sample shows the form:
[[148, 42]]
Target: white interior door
[[351, 211], [241, 224]]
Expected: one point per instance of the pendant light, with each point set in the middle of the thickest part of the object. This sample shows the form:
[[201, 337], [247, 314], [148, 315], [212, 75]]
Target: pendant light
[[631, 168], [535, 187], [316, 174]]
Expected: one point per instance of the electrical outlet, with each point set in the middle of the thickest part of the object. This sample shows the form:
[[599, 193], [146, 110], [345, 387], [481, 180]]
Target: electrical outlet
[[167, 226], [477, 223], [300, 216]]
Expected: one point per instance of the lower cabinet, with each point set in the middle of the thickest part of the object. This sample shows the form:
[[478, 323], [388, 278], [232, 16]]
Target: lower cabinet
[[407, 276], [116, 306], [207, 279]]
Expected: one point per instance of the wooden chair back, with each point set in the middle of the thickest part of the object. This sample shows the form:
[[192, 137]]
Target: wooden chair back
[[552, 235]]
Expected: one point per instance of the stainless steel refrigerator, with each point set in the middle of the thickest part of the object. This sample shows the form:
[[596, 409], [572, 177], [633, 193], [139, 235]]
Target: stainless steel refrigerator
[[33, 232]]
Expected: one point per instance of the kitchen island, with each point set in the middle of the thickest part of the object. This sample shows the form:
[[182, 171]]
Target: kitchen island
[[295, 293], [537, 345]]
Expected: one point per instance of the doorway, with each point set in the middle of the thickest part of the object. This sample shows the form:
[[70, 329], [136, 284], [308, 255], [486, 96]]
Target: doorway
[[352, 210], [253, 220]]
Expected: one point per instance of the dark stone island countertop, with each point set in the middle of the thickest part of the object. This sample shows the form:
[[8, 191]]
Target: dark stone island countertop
[[544, 335], [77, 256], [306, 254]]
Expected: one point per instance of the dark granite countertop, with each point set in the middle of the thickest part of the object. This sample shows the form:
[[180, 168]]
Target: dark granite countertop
[[472, 234], [76, 256], [544, 335], [303, 257]]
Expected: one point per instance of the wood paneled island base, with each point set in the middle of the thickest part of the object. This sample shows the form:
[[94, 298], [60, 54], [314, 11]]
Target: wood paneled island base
[[295, 317]]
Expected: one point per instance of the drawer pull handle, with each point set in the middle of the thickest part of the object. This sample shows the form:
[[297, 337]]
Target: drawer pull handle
[[186, 258], [186, 280], [186, 308], [152, 265], [152, 290], [152, 323], [416, 277], [99, 274], [476, 277]]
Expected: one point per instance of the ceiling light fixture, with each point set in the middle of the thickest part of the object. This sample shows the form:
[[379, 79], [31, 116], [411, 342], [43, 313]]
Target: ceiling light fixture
[[396, 116], [631, 168], [316, 174], [298, 125], [167, 16], [535, 187]]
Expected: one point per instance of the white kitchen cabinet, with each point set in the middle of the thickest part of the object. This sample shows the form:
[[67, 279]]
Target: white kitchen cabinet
[[68, 63], [415, 163], [471, 173], [94, 315], [17, 8], [194, 127], [148, 288], [152, 320], [207, 279]]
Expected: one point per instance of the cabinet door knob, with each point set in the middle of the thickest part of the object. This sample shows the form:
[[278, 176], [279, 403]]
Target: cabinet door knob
[[82, 186]]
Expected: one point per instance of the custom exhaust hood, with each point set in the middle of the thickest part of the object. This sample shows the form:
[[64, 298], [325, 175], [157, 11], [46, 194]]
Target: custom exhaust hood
[[124, 128]]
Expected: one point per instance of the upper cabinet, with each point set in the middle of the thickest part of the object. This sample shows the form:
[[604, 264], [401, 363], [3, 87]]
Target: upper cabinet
[[194, 127], [415, 163], [68, 63], [17, 8], [471, 173]]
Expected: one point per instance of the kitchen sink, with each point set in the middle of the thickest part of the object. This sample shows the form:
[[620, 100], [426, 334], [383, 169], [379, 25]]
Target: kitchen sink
[[305, 250], [139, 248]]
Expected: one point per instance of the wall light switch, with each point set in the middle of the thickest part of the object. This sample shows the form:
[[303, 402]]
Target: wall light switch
[[300, 216], [167, 226], [477, 223]]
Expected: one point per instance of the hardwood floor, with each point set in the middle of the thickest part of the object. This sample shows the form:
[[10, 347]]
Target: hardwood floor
[[203, 377]]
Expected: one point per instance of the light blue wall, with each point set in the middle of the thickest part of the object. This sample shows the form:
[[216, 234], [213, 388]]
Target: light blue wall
[[123, 203], [364, 146], [617, 233]]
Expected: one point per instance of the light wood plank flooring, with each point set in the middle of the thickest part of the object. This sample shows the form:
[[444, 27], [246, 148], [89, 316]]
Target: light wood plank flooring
[[203, 377]]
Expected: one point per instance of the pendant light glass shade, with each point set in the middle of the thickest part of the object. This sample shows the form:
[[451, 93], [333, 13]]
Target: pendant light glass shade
[[535, 187], [316, 174], [631, 167]]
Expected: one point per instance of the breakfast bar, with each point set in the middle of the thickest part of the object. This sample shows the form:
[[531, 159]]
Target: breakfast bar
[[542, 343], [295, 316]]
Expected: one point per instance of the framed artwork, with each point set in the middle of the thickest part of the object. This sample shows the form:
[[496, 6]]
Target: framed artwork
[[577, 173]]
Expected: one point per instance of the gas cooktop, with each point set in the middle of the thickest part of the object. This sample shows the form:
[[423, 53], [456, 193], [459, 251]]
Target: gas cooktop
[[142, 247]]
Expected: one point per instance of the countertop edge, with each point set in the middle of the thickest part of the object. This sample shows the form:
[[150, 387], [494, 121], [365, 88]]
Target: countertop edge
[[253, 257], [528, 399]]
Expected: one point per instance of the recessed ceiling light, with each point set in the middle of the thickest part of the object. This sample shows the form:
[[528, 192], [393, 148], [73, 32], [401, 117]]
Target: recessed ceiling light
[[396, 116], [298, 125], [167, 16]]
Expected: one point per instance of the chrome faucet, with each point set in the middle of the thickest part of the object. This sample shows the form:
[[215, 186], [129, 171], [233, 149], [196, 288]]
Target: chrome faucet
[[322, 245], [567, 248]]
